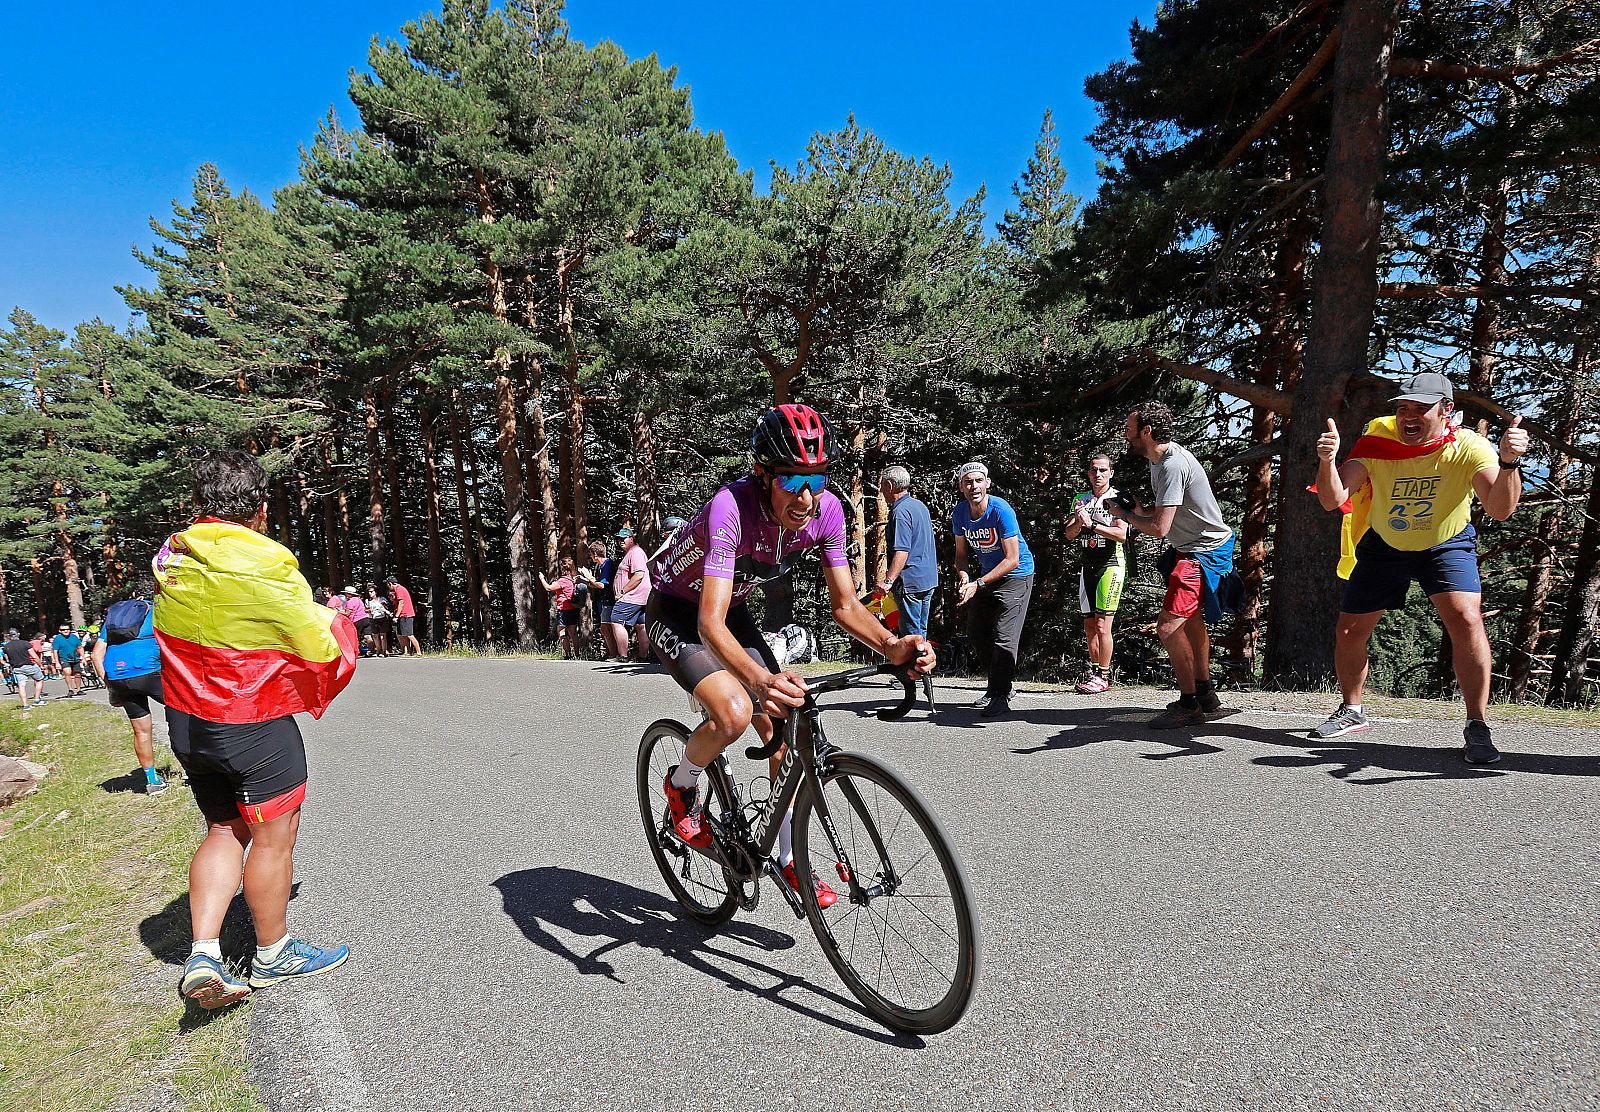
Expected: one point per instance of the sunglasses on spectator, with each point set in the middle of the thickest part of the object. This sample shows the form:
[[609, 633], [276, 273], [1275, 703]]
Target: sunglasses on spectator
[[794, 484]]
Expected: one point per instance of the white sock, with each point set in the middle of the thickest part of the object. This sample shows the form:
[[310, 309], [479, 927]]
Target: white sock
[[786, 840], [270, 953], [1355, 707], [210, 947], [687, 774]]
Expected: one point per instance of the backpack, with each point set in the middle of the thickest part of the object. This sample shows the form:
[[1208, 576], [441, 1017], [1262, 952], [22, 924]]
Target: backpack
[[125, 620]]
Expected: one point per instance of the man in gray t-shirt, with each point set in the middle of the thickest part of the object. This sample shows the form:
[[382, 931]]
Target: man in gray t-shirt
[[1186, 514]]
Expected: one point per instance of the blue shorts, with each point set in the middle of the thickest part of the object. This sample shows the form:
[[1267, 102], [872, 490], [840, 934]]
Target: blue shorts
[[1383, 574], [628, 614]]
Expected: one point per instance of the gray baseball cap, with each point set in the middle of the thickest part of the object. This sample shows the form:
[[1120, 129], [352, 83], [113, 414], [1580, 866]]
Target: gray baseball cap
[[1427, 387]]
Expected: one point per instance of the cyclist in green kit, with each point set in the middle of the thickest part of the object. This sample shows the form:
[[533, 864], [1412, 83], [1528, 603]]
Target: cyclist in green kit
[[1104, 543]]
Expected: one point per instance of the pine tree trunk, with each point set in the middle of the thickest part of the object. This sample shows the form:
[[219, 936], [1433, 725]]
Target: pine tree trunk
[[536, 460], [330, 520], [856, 491], [646, 491], [375, 510], [438, 585], [347, 556], [574, 476], [5, 604], [471, 566], [516, 503], [1344, 299], [69, 555], [36, 566], [1569, 672], [877, 564], [475, 496], [111, 560], [400, 565]]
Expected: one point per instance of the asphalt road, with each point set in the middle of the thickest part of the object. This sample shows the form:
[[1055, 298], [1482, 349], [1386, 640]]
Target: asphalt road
[[1241, 919]]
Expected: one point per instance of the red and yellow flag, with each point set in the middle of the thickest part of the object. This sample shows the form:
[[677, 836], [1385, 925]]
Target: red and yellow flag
[[241, 638]]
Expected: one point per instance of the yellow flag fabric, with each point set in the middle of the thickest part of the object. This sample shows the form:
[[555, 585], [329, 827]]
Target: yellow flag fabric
[[241, 638]]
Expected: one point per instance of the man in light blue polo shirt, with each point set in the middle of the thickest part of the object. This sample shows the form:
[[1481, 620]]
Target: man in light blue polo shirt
[[988, 525], [913, 571]]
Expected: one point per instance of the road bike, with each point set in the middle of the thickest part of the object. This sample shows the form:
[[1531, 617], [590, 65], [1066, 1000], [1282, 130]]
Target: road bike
[[903, 935]]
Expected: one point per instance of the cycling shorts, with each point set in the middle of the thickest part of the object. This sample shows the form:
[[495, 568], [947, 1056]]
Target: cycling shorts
[[674, 628], [1100, 588], [255, 770], [134, 693]]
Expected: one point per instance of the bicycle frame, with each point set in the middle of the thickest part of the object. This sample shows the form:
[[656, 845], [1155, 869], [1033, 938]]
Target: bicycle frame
[[804, 762]]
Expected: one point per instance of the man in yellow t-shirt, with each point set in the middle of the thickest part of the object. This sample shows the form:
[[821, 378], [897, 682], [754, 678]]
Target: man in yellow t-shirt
[[1423, 474]]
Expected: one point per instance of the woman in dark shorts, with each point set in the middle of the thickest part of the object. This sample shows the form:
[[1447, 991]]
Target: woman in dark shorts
[[564, 590]]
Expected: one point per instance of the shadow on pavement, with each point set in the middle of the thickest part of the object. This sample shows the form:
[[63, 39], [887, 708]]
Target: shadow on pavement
[[1343, 759], [619, 915]]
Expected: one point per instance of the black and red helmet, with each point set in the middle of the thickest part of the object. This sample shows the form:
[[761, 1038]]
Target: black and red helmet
[[794, 438]]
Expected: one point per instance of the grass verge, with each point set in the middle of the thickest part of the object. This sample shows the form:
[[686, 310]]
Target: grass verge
[[93, 918]]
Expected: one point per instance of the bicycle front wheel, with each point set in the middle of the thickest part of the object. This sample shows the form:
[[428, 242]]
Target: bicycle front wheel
[[909, 947], [707, 891]]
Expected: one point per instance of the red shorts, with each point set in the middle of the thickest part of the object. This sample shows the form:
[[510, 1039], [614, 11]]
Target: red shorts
[[1185, 588]]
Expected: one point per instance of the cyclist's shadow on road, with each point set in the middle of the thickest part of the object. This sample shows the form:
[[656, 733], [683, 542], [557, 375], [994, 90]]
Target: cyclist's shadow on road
[[1361, 762], [621, 915]]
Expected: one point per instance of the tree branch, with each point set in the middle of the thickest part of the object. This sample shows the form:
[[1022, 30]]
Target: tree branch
[[1330, 46], [1451, 71]]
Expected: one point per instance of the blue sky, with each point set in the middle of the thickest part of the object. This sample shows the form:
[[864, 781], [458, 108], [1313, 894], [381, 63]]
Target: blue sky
[[107, 108]]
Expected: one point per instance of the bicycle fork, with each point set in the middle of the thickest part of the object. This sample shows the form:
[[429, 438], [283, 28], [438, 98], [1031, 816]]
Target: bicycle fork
[[887, 882]]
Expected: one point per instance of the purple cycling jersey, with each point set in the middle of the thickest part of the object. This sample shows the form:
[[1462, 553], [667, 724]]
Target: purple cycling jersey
[[734, 537]]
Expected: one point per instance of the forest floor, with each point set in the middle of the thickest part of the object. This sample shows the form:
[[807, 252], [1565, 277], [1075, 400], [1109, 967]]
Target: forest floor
[[94, 928]]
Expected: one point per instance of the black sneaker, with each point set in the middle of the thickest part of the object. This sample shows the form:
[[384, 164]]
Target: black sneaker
[[1177, 716], [1345, 720], [995, 708], [1480, 748]]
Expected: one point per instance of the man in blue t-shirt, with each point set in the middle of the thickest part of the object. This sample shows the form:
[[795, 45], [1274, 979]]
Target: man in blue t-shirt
[[988, 525], [132, 670], [69, 654], [913, 564]]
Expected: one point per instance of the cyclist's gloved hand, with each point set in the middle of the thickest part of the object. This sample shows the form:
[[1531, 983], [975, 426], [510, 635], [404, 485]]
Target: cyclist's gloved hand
[[780, 693]]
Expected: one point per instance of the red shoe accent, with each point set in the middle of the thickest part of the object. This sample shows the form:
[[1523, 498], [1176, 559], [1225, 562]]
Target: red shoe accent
[[826, 896], [686, 825]]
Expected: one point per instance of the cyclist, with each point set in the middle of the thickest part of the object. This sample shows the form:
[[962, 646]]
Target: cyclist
[[701, 630], [1105, 544]]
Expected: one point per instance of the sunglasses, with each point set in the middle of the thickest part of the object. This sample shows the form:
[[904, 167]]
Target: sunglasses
[[794, 484]]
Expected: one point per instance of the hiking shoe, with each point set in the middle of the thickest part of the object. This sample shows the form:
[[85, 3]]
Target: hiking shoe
[[208, 983], [296, 959], [981, 703], [156, 786], [687, 823], [1177, 716], [996, 708], [1345, 720], [1480, 748], [1094, 684], [826, 896]]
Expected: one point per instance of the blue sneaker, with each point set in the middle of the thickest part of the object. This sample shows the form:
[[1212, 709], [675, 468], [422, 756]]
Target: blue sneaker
[[296, 959], [208, 983]]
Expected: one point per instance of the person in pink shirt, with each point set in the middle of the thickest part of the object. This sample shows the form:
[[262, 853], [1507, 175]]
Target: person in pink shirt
[[632, 583], [356, 611], [563, 591], [405, 617]]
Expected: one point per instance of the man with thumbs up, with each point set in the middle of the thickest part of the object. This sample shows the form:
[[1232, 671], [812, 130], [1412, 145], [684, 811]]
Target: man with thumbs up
[[1408, 486]]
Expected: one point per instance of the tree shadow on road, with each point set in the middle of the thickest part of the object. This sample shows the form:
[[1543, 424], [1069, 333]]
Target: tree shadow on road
[[620, 915]]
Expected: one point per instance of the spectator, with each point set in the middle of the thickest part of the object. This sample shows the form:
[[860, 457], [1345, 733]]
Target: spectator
[[913, 571], [23, 660], [91, 641], [382, 620], [1409, 482], [68, 649], [1198, 559], [632, 583], [130, 662], [602, 593], [356, 611], [244, 648], [46, 655], [563, 592], [405, 617], [1104, 541], [1000, 594]]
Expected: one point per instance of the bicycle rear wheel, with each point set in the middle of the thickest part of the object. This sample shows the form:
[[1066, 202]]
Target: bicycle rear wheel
[[707, 891], [910, 952]]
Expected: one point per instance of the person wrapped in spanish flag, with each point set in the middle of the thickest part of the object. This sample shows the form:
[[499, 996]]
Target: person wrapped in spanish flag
[[244, 648]]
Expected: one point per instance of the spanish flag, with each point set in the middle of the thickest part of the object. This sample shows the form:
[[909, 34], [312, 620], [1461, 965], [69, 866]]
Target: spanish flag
[[241, 638], [1380, 440]]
